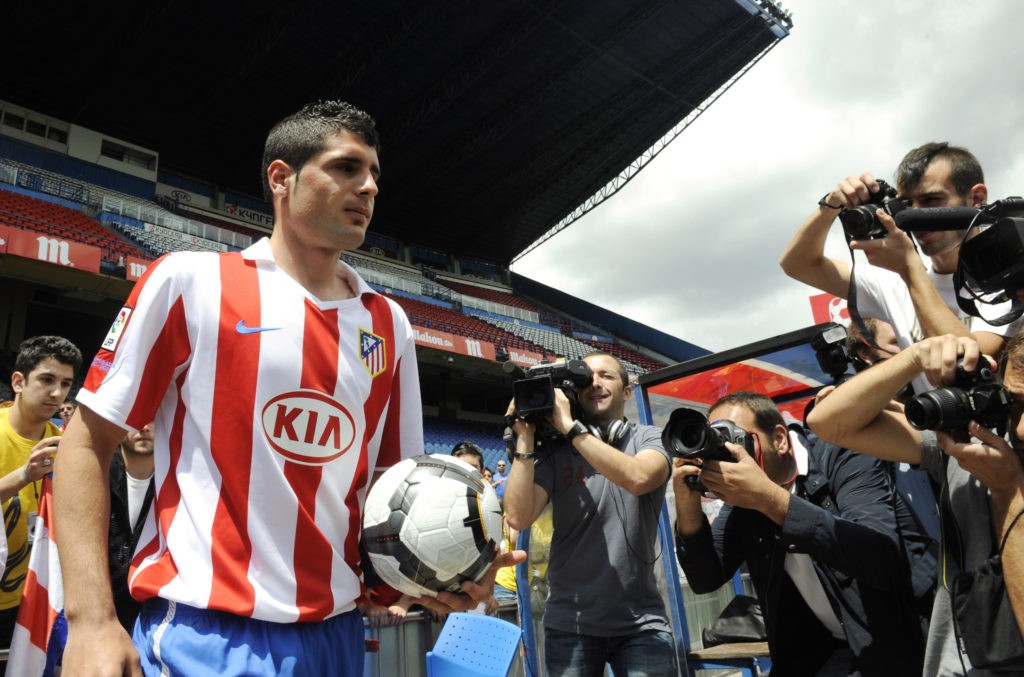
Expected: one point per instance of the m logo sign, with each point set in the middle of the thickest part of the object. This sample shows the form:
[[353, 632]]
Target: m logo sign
[[53, 250]]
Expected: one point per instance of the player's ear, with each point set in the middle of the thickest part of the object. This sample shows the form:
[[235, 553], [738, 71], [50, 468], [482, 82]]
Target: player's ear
[[279, 174]]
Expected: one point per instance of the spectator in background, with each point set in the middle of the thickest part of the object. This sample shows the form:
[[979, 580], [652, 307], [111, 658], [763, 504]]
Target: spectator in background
[[489, 476], [500, 477], [131, 495], [43, 372], [66, 411], [471, 453]]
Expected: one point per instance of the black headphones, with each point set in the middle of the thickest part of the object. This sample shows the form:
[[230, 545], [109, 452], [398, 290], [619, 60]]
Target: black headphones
[[615, 433]]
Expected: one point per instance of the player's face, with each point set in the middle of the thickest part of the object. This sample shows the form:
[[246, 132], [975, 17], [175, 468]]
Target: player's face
[[936, 190], [329, 201], [140, 442], [604, 400], [41, 391]]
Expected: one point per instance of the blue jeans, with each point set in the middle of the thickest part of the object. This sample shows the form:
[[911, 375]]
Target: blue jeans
[[643, 654]]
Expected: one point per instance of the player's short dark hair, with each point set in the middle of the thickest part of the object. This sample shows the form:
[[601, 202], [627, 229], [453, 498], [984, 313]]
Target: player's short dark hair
[[965, 169], [766, 414], [300, 136], [34, 350]]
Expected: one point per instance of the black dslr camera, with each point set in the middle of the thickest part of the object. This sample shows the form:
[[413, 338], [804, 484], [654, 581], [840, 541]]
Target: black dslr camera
[[688, 434], [975, 396], [861, 222], [533, 393]]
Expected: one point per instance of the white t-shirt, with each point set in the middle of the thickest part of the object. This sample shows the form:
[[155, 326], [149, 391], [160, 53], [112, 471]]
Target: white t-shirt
[[884, 295]]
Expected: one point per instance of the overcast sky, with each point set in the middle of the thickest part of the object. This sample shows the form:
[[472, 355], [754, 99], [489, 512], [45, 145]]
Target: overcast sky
[[691, 245]]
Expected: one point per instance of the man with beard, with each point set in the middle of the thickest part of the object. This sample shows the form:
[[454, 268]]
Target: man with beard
[[606, 482], [131, 494], [918, 300], [819, 529]]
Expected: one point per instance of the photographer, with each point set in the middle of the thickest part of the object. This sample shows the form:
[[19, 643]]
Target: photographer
[[982, 482], [606, 480], [918, 301], [817, 528]]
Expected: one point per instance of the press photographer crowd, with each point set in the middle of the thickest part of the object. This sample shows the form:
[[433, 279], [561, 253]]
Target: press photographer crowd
[[881, 533]]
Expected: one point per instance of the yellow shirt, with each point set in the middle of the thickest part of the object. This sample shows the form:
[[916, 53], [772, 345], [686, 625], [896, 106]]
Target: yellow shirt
[[540, 543], [14, 453]]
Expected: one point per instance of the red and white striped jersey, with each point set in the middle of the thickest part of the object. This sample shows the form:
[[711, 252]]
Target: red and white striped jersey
[[272, 410]]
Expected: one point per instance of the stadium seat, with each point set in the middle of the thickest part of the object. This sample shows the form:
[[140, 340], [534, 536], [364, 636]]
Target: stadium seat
[[473, 645]]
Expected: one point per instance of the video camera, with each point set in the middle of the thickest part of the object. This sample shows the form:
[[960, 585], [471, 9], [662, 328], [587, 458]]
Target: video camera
[[861, 222], [690, 435], [990, 269], [533, 393], [975, 396]]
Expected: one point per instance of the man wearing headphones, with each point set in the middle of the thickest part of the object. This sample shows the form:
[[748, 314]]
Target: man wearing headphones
[[606, 483]]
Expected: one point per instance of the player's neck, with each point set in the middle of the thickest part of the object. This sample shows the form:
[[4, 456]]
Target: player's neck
[[314, 268]]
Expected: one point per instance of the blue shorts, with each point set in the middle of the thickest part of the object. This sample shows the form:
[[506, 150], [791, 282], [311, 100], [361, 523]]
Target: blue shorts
[[184, 640]]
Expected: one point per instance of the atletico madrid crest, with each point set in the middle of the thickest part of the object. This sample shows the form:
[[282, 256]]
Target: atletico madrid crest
[[373, 352]]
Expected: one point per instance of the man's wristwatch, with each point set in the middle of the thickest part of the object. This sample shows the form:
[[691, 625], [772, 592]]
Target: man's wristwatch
[[522, 456], [578, 428]]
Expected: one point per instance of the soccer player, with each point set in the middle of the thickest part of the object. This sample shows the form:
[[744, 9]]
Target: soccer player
[[279, 384]]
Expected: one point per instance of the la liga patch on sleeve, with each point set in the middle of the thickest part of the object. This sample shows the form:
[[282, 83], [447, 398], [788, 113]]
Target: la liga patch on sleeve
[[113, 337]]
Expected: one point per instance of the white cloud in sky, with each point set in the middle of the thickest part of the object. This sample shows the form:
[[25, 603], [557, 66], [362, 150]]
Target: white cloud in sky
[[691, 245]]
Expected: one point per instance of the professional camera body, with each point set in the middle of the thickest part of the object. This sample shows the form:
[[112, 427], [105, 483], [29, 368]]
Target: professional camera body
[[690, 435], [975, 396], [533, 393], [861, 222]]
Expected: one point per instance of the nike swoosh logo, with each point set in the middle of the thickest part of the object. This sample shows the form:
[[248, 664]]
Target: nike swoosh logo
[[242, 329]]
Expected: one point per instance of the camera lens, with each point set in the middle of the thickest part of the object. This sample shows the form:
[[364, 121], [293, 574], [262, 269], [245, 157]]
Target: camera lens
[[939, 409]]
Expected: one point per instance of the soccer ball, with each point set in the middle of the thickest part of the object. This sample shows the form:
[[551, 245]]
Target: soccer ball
[[429, 523]]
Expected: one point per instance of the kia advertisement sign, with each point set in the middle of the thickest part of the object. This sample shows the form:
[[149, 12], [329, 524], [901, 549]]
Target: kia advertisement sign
[[307, 426], [52, 249], [828, 308], [462, 345]]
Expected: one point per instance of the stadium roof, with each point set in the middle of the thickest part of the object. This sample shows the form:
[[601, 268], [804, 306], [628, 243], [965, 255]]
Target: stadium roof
[[499, 119]]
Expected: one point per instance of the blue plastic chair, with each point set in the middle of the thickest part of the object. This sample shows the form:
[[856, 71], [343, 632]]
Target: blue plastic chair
[[474, 645]]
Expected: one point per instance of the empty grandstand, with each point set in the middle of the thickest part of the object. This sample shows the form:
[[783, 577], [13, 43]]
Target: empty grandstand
[[500, 122]]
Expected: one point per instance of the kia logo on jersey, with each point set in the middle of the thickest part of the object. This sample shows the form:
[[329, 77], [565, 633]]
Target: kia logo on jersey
[[308, 427]]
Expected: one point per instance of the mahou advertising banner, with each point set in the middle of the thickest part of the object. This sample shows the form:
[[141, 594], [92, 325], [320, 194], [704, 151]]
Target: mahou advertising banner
[[525, 358], [51, 249], [462, 345]]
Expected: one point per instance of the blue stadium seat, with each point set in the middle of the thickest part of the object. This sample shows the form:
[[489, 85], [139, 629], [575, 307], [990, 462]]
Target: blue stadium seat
[[474, 645]]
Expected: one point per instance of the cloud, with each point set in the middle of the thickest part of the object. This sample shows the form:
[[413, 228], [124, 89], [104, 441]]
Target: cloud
[[691, 245]]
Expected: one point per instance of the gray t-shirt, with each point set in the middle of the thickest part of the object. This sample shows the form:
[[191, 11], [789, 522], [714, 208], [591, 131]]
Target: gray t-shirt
[[972, 511], [604, 549]]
